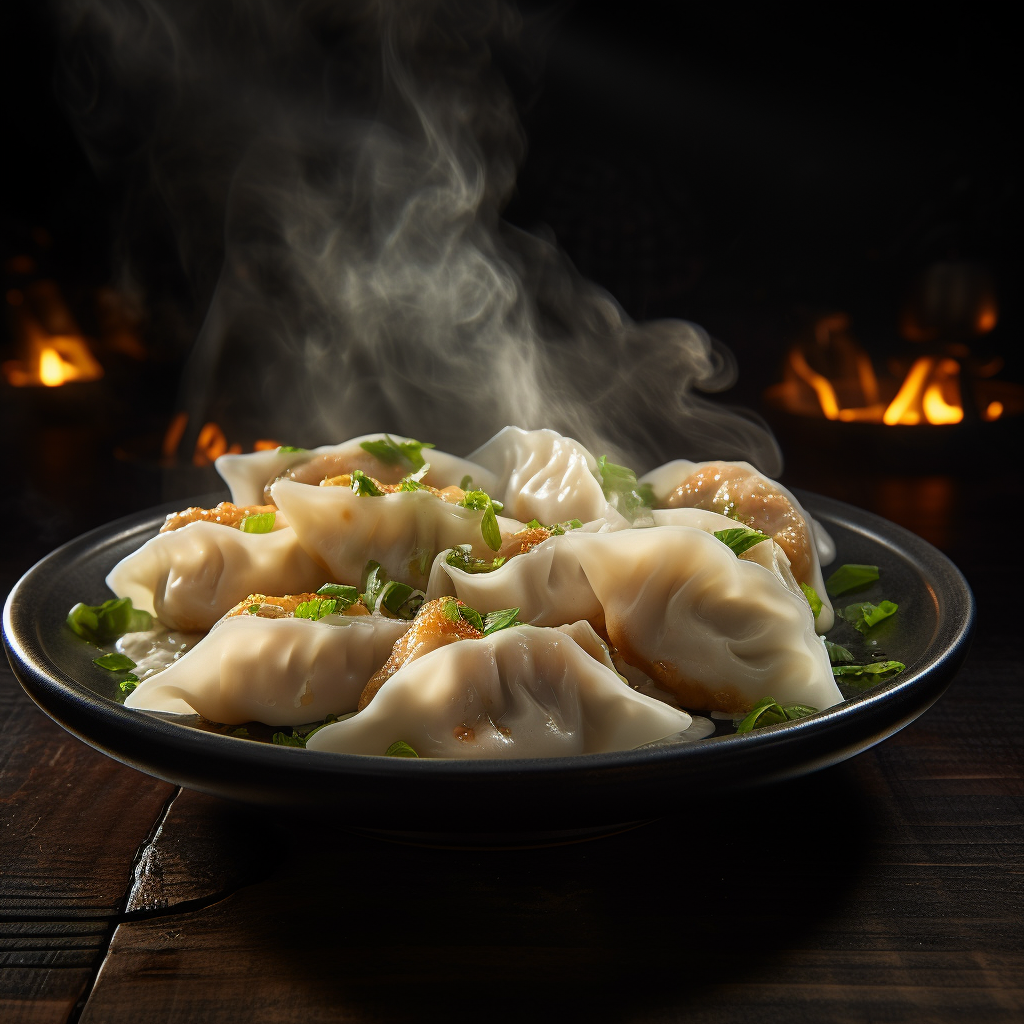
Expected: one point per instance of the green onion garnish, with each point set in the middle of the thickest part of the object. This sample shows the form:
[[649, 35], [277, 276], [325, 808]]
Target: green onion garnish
[[622, 490], [400, 749], [812, 599], [262, 522], [864, 615], [873, 673], [461, 557], [481, 501], [364, 486], [740, 539], [316, 609], [105, 622], [850, 577], [392, 452], [770, 712], [114, 662]]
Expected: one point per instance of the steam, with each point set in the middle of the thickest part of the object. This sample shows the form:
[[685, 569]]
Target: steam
[[357, 158]]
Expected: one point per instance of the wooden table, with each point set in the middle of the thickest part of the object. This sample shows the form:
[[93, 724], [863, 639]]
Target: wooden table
[[884, 889]]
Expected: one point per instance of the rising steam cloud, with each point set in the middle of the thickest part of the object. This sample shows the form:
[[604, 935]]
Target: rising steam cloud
[[342, 168]]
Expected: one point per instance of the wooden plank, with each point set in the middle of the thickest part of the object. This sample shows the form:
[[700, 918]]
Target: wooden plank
[[71, 822], [803, 902]]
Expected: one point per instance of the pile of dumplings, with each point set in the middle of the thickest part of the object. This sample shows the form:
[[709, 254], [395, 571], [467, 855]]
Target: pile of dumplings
[[551, 603]]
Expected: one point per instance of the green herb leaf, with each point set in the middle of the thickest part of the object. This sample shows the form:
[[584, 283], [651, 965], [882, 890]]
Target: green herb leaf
[[494, 621], [741, 539], [622, 490], [472, 616], [481, 501], [290, 448], [864, 615], [466, 483], [241, 732], [450, 609], [283, 739], [262, 522], [364, 485], [462, 558], [379, 591], [850, 577], [392, 452], [345, 596], [534, 524], [400, 749], [812, 599], [316, 609], [836, 654], [105, 622], [114, 662], [869, 674], [560, 528], [253, 609], [770, 712], [128, 684]]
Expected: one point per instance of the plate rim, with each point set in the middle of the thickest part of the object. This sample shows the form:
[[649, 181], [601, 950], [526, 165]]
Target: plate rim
[[61, 696]]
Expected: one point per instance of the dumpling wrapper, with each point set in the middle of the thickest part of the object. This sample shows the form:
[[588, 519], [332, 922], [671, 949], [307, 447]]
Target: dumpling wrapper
[[403, 531], [768, 553], [521, 692], [546, 583], [665, 479], [284, 671], [247, 475], [188, 578], [720, 632], [545, 476]]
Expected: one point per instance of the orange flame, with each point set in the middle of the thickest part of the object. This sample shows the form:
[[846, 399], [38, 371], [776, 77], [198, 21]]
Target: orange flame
[[53, 361]]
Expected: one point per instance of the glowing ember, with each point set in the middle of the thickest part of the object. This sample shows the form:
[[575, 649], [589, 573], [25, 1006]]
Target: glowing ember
[[833, 377], [53, 361]]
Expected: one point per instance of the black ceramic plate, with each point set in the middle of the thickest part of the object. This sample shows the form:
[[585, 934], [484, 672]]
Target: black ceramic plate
[[930, 634]]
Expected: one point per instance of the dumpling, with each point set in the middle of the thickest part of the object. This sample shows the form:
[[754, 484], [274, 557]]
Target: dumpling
[[189, 577], [545, 476], [520, 692], [250, 476], [546, 584], [718, 631], [738, 490], [768, 553], [281, 671], [403, 531]]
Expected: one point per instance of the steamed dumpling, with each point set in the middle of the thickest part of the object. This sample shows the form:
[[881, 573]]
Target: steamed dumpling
[[545, 476], [738, 490], [546, 584], [250, 476], [520, 692], [403, 531], [718, 631], [281, 671], [189, 577]]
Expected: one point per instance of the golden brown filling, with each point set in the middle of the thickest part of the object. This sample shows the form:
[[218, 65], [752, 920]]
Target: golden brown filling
[[754, 501], [525, 540], [452, 494], [279, 607], [224, 514], [433, 627]]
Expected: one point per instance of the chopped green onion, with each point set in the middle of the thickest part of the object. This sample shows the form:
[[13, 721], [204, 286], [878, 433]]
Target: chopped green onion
[[622, 490], [400, 749], [316, 609], [472, 616], [300, 734], [253, 609], [770, 712], [114, 662], [873, 673], [850, 577], [741, 539], [392, 452], [812, 599], [837, 654], [129, 683], [381, 592], [467, 483], [290, 448], [346, 596], [461, 557], [364, 486], [560, 528], [864, 615], [481, 501], [241, 732], [105, 622], [494, 621], [262, 522]]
